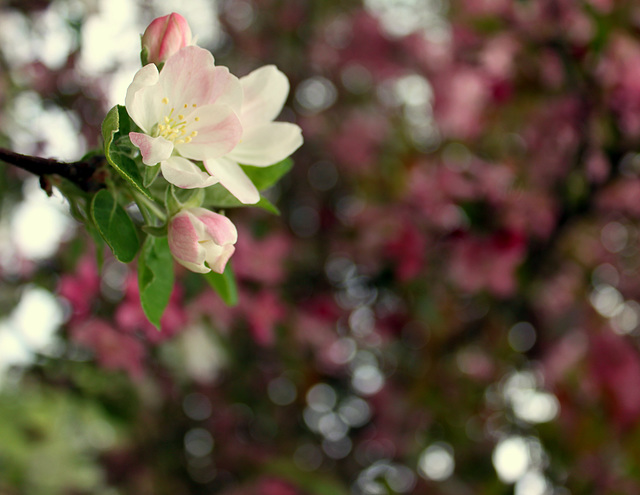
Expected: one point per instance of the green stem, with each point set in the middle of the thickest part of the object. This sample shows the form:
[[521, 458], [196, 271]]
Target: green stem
[[151, 205]]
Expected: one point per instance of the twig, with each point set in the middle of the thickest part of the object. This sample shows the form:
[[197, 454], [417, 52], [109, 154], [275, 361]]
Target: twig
[[89, 175]]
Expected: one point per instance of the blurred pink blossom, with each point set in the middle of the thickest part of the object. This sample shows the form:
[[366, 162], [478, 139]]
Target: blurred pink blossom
[[130, 317], [114, 349], [81, 288], [489, 262], [615, 368]]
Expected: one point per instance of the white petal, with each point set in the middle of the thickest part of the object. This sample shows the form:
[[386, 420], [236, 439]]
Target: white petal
[[233, 178], [218, 256], [265, 91], [153, 150], [267, 144], [227, 89], [185, 174], [218, 132], [194, 267], [142, 101]]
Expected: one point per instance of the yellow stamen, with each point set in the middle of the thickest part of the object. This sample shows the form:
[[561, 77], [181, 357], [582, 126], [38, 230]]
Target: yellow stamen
[[197, 119], [165, 100]]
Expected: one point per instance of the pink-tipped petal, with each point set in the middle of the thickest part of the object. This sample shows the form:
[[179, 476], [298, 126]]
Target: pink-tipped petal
[[265, 92], [267, 144], [233, 178], [226, 89], [189, 77], [217, 226], [153, 150], [217, 129], [183, 240], [185, 174], [219, 262]]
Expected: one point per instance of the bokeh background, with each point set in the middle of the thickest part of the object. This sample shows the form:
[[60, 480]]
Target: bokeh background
[[448, 303]]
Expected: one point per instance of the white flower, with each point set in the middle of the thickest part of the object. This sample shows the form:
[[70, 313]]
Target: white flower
[[263, 142], [186, 112]]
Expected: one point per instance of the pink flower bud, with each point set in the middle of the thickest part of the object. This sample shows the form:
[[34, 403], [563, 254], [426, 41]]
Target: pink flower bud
[[164, 37], [198, 236]]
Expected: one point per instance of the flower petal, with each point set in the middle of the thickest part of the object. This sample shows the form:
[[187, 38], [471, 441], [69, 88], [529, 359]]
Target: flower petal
[[190, 77], [265, 91], [233, 178], [183, 237], [217, 128], [267, 144], [218, 256], [140, 100], [187, 76], [185, 174], [153, 150], [217, 226]]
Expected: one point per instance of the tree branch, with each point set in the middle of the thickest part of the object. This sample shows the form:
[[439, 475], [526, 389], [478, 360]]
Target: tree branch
[[89, 175]]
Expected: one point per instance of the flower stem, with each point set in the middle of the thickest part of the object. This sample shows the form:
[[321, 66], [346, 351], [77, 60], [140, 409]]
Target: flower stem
[[145, 202]]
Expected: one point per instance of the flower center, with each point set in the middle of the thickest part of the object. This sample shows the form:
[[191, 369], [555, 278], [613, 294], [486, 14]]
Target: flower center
[[174, 127]]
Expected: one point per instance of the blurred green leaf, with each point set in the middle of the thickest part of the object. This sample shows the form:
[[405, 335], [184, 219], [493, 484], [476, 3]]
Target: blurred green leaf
[[155, 277], [115, 226]]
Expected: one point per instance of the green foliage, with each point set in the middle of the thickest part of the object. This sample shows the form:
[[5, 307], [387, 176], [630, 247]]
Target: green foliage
[[115, 226], [265, 177], [155, 277], [224, 284], [124, 165]]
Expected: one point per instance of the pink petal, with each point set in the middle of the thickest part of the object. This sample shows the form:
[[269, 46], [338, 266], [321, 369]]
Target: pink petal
[[183, 237], [233, 178], [218, 132], [218, 227], [190, 77], [153, 150], [267, 144]]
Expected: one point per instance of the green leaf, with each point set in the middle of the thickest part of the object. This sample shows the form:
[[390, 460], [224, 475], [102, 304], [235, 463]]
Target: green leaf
[[177, 199], [150, 174], [115, 226], [217, 196], [265, 177], [224, 284], [116, 124], [155, 277], [265, 204]]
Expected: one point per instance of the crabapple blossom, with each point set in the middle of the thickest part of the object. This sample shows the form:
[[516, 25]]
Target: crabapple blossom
[[165, 36], [198, 236], [186, 112], [263, 142]]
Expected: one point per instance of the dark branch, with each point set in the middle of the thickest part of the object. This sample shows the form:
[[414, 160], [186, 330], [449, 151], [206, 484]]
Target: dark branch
[[89, 175]]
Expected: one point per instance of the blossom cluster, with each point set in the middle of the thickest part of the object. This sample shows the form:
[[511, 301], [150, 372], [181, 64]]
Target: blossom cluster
[[199, 123]]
